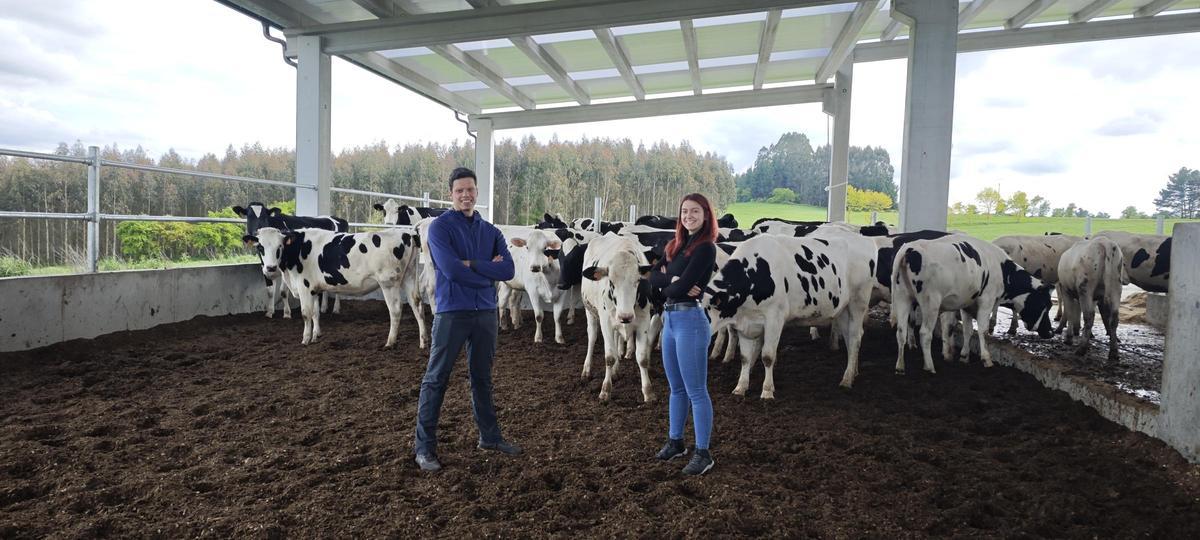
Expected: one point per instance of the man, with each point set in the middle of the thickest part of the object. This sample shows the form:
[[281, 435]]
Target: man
[[470, 255]]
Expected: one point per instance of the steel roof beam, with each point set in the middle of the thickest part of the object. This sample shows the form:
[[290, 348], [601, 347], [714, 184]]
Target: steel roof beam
[[1154, 8], [620, 60], [972, 10], [844, 45], [1045, 35], [522, 20], [657, 107], [1091, 11], [766, 43], [1027, 14], [693, 54]]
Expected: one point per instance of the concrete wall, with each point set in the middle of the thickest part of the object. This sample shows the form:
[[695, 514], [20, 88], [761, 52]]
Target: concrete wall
[[43, 310], [1157, 307]]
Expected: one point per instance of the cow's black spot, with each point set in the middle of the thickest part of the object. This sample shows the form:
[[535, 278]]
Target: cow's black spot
[[332, 260], [1138, 258], [913, 258], [805, 266], [1162, 259], [822, 241], [871, 267], [739, 282], [822, 261], [306, 284], [786, 288], [362, 248], [918, 284], [398, 252], [971, 253], [822, 281], [268, 280], [803, 283], [833, 267], [835, 299], [347, 243], [375, 239], [1017, 281], [807, 252]]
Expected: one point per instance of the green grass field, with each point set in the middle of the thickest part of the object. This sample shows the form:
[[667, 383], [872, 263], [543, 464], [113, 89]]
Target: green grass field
[[984, 227]]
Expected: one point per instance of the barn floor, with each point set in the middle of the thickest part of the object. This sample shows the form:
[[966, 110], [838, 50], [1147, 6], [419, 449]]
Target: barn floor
[[223, 427]]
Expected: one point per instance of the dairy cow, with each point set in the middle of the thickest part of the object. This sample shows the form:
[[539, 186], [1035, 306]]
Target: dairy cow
[[535, 259], [395, 213], [312, 261], [960, 273], [258, 216], [1092, 272], [1147, 258]]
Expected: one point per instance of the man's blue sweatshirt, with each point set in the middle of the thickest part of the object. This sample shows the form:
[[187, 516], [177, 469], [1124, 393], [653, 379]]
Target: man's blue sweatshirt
[[454, 238]]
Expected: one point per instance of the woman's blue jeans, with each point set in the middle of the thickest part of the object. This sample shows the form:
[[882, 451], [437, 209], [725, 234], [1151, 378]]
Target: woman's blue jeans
[[685, 337]]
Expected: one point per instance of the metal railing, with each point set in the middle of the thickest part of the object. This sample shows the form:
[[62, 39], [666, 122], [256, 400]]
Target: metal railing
[[94, 217]]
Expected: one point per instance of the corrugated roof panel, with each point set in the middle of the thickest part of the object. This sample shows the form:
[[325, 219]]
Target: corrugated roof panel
[[580, 55], [436, 68], [809, 32], [507, 61], [546, 93], [728, 40], [724, 77], [661, 83], [655, 47], [877, 23], [605, 88], [342, 10], [1060, 11], [802, 69]]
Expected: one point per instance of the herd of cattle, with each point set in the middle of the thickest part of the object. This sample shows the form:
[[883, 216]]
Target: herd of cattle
[[777, 271]]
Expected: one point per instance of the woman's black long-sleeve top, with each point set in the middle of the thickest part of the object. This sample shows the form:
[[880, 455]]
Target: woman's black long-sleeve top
[[694, 269]]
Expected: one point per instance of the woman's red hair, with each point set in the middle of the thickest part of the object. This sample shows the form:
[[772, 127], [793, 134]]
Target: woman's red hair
[[706, 235]]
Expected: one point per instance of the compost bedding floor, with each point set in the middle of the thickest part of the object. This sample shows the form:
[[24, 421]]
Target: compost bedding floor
[[226, 427]]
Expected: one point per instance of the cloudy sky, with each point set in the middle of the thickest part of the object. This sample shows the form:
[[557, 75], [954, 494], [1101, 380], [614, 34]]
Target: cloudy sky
[[1098, 124]]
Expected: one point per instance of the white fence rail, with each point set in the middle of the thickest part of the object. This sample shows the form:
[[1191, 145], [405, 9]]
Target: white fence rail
[[94, 216]]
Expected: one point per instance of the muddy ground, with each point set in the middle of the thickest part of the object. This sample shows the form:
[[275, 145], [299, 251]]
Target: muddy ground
[[225, 427]]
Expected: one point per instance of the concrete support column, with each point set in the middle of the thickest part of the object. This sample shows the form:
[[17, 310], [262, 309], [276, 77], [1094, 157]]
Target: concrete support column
[[1179, 416], [928, 111], [839, 154], [314, 163], [485, 164]]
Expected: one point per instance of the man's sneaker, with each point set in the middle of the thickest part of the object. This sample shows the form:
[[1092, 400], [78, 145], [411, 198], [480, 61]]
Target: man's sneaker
[[673, 449], [503, 447], [701, 462], [428, 463]]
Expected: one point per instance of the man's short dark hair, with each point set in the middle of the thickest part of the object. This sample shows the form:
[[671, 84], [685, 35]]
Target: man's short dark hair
[[462, 172]]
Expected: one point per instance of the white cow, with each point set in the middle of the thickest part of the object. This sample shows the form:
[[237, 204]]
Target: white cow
[[616, 302], [964, 274], [535, 258], [770, 280], [315, 261], [1092, 272], [1147, 258], [395, 213]]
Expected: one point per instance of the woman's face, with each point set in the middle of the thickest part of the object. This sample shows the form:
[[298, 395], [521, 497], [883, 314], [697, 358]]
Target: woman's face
[[691, 214]]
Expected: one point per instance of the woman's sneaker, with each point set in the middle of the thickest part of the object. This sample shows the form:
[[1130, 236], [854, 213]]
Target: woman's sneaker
[[701, 462], [673, 449]]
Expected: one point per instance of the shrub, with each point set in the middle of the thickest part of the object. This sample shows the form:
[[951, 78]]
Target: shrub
[[782, 196], [864, 200], [11, 266]]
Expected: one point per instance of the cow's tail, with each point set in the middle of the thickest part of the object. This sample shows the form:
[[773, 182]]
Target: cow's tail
[[903, 292], [1114, 264]]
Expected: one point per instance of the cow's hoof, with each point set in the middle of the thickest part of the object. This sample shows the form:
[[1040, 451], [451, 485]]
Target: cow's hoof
[[649, 397], [604, 397], [988, 363], [899, 371], [287, 315], [537, 340], [964, 359], [270, 314], [739, 392], [846, 384], [768, 395], [560, 341], [931, 371]]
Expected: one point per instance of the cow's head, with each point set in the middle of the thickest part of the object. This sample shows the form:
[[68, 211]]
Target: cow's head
[[257, 216], [542, 252], [620, 272], [269, 243], [727, 221], [551, 221], [1029, 297], [395, 213]]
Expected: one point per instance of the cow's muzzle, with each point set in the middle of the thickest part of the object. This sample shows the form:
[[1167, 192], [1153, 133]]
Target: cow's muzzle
[[537, 268], [625, 319]]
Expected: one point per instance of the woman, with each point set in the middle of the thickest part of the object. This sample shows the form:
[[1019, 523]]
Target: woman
[[682, 275]]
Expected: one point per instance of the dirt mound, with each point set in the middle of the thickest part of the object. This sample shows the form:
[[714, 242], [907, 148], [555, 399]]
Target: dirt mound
[[224, 427]]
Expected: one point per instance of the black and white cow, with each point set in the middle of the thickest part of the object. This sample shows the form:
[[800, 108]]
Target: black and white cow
[[617, 304], [964, 274], [770, 280], [535, 257], [395, 213], [258, 216], [663, 222], [1092, 272], [585, 224], [1039, 255], [1147, 258], [315, 260]]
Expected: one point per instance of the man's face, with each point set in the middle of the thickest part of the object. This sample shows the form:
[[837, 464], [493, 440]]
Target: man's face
[[462, 194]]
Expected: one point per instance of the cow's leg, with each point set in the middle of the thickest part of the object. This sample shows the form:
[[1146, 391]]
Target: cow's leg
[[732, 347], [592, 329], [610, 357], [968, 324], [557, 306], [1088, 308], [337, 304], [1071, 318], [748, 346], [538, 316], [995, 311], [514, 307], [772, 330], [307, 307], [316, 317], [1061, 316], [718, 344], [814, 333], [1016, 320], [929, 318], [393, 298], [1111, 307], [569, 297], [835, 337], [645, 340], [503, 291], [946, 321], [850, 325], [982, 308], [272, 295], [414, 303], [899, 318], [656, 324]]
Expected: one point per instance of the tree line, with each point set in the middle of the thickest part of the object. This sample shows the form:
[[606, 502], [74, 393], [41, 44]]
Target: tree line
[[531, 177], [793, 164]]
